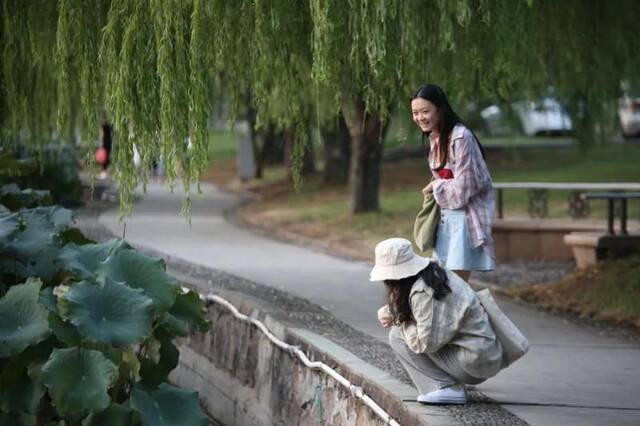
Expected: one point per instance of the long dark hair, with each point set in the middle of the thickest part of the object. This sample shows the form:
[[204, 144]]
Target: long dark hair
[[398, 291], [448, 120]]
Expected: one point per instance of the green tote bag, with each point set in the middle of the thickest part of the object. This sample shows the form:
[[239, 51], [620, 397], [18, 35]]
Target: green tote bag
[[426, 225]]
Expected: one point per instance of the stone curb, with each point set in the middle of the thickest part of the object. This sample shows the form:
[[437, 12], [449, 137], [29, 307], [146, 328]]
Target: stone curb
[[393, 395]]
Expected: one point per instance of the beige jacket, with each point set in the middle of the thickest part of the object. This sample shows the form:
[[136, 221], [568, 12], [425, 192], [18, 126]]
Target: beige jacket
[[458, 320]]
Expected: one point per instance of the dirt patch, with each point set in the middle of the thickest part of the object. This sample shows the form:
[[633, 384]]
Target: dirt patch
[[608, 292]]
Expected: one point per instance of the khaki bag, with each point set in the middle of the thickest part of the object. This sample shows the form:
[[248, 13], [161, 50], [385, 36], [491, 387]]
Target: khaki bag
[[514, 344], [425, 227]]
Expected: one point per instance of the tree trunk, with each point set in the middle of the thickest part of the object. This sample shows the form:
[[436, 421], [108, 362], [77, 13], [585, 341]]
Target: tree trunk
[[367, 134], [336, 152], [254, 135]]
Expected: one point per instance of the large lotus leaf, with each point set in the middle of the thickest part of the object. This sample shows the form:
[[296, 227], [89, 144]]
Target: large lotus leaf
[[45, 263], [84, 260], [140, 271], [23, 321], [168, 406], [59, 217], [111, 312], [114, 415], [35, 233], [19, 393], [78, 380], [188, 313], [10, 419]]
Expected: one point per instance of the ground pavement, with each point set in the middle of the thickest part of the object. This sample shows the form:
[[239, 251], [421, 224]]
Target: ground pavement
[[572, 376]]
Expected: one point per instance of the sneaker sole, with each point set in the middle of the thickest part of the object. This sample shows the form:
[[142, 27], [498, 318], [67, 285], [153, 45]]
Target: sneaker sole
[[457, 401]]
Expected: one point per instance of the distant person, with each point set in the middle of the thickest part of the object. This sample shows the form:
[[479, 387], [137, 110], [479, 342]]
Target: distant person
[[438, 328], [105, 145], [460, 183]]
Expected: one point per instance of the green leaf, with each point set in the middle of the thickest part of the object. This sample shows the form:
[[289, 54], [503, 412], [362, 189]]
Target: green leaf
[[23, 321], [78, 380], [45, 264], [12, 197], [163, 357], [188, 313], [63, 330], [109, 313], [19, 393], [75, 236], [140, 271], [114, 415], [132, 362], [48, 299], [8, 225], [37, 231], [58, 217], [84, 260], [9, 419], [168, 406]]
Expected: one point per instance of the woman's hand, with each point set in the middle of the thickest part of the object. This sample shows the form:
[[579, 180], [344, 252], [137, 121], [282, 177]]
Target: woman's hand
[[427, 189], [385, 317]]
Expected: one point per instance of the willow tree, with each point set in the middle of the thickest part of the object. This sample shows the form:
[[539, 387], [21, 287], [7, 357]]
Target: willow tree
[[154, 68]]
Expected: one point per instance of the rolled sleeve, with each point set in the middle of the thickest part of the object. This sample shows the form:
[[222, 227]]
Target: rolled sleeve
[[423, 334]]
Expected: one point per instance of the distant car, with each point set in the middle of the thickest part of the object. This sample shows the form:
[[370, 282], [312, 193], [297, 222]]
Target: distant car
[[494, 121], [629, 114], [543, 117]]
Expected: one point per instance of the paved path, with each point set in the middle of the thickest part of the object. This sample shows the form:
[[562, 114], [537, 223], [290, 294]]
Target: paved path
[[570, 377]]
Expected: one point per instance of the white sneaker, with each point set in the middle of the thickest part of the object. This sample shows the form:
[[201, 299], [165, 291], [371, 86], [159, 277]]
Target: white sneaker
[[449, 395]]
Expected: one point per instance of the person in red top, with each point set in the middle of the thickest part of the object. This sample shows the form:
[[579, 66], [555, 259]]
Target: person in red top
[[460, 183]]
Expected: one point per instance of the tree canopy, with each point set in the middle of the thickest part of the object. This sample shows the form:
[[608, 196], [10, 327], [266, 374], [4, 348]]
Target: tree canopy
[[155, 68]]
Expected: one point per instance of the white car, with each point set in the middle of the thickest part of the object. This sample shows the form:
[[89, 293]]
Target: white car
[[629, 113], [543, 117]]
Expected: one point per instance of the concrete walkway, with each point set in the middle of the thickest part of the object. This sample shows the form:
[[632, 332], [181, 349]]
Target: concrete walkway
[[571, 376]]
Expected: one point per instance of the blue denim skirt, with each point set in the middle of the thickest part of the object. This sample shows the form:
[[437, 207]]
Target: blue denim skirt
[[453, 244]]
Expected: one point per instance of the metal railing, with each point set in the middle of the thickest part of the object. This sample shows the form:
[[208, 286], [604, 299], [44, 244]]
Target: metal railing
[[538, 195]]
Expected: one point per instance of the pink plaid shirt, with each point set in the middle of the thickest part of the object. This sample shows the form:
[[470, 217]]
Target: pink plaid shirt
[[471, 187]]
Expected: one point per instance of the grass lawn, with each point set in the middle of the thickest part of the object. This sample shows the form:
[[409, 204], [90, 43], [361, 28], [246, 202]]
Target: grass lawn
[[609, 292]]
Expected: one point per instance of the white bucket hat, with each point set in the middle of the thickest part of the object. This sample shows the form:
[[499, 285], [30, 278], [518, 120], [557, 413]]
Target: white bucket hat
[[395, 259]]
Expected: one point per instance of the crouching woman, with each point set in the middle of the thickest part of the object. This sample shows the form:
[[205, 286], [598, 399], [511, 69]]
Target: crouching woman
[[438, 328]]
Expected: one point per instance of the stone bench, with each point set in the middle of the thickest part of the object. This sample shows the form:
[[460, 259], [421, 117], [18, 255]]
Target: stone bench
[[589, 248]]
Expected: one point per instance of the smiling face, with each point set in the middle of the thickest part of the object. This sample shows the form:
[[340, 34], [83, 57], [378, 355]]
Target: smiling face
[[425, 114]]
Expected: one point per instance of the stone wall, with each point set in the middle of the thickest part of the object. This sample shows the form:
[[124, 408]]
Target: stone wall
[[243, 379]]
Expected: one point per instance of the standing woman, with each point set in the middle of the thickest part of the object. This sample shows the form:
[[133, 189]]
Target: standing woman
[[461, 185]]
